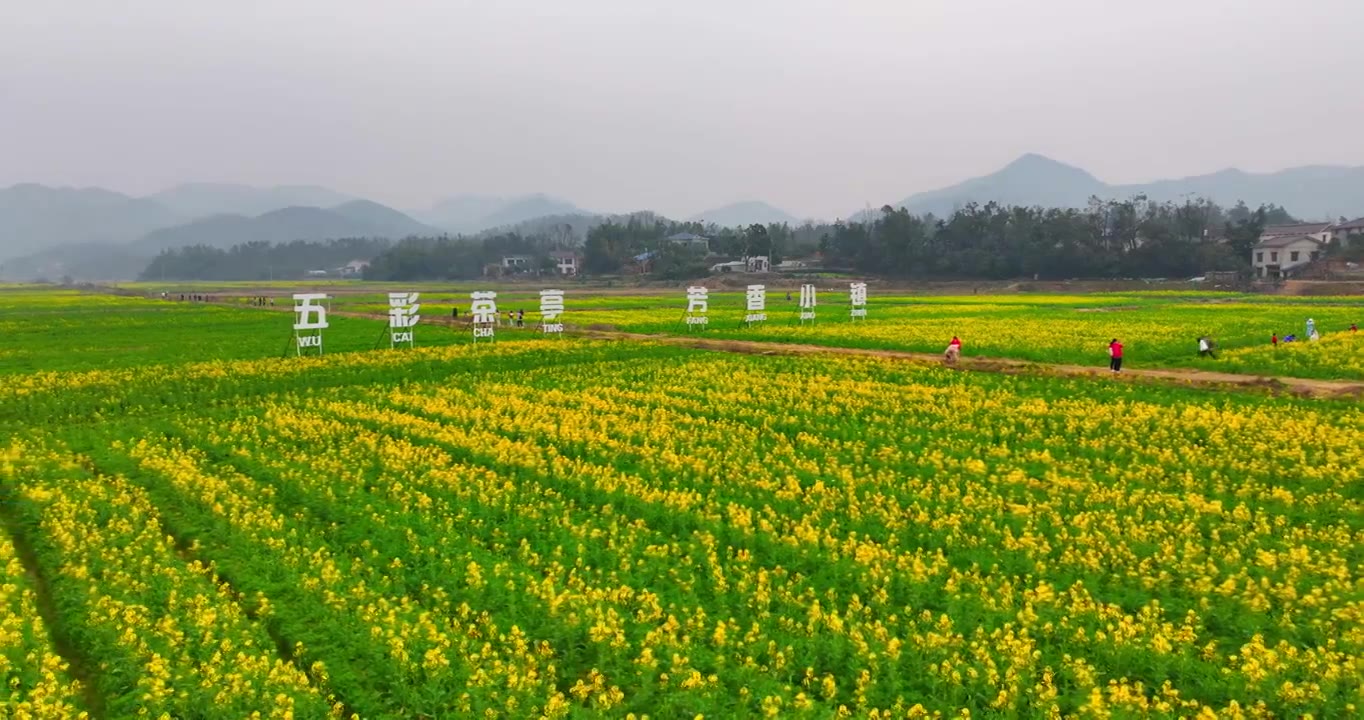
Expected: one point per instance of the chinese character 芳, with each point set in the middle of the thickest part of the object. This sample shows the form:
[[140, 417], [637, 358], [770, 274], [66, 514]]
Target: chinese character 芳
[[697, 299], [309, 315], [484, 307], [551, 304], [402, 310]]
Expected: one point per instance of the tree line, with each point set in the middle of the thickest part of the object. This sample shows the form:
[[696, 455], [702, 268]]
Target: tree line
[[1109, 238], [1137, 237], [260, 260]]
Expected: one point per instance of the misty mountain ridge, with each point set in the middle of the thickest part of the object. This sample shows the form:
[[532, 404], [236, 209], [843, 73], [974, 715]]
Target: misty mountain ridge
[[125, 259], [196, 200], [36, 217], [354, 219], [471, 213], [744, 213], [387, 222], [1314, 191], [47, 221]]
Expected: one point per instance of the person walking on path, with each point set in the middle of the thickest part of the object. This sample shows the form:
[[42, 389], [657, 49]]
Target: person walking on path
[[1115, 356], [953, 351]]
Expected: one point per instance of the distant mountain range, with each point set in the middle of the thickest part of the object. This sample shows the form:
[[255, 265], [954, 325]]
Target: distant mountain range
[[474, 213], [35, 217], [745, 213], [93, 234], [55, 231], [1312, 192], [196, 200], [357, 218]]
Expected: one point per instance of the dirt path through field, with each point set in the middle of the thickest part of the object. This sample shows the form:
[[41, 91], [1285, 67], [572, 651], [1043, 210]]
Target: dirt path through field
[[1304, 387], [1297, 386]]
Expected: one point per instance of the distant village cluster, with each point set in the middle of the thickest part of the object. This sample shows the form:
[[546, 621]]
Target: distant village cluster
[[1288, 250], [570, 262]]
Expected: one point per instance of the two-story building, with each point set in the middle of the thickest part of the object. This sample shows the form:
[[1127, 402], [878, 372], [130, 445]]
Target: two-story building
[[1283, 249], [566, 262], [1349, 232], [1277, 256], [1320, 231]]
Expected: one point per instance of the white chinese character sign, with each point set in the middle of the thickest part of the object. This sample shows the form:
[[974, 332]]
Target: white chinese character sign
[[756, 297], [551, 307], [807, 303], [402, 317], [310, 319], [857, 294], [483, 310], [697, 304]]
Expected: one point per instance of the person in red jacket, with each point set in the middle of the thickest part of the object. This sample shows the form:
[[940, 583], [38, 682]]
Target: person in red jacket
[[953, 351], [1115, 356]]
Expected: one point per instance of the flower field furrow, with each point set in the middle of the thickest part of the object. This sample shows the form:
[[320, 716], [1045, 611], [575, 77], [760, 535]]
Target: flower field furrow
[[385, 652], [1192, 566], [38, 684], [170, 636], [756, 642], [476, 440]]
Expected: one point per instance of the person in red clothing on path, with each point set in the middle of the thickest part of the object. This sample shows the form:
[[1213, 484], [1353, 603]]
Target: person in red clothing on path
[[1115, 356], [1274, 339], [953, 351]]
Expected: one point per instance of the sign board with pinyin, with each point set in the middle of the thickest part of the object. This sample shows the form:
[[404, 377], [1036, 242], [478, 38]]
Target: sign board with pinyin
[[310, 319], [483, 311], [807, 303], [857, 296], [698, 301], [402, 317], [756, 298], [551, 307]]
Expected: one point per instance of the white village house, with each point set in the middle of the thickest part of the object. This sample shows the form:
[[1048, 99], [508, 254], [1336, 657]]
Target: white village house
[[1279, 256], [755, 264], [566, 262], [354, 268], [1284, 249], [1348, 232]]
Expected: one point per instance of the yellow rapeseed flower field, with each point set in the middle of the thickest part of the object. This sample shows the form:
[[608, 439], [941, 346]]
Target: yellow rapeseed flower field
[[570, 528]]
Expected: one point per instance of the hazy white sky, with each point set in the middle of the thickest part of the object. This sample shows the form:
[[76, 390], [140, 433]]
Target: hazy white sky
[[816, 106]]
